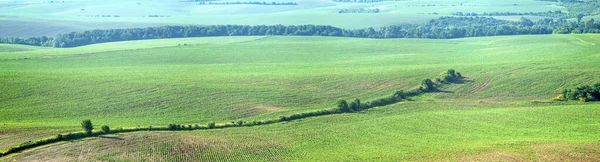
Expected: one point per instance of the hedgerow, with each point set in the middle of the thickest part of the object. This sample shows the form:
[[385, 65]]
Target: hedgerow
[[342, 107]]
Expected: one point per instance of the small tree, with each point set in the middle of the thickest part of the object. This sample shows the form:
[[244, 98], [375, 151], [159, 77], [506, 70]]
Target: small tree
[[87, 126], [427, 85], [105, 129], [342, 105], [399, 95], [355, 105], [211, 125]]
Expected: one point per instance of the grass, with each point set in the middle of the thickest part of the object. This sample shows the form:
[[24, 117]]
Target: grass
[[156, 82], [21, 19], [412, 131]]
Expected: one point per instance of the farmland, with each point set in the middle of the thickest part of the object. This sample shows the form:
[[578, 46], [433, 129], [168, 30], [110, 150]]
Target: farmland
[[501, 111], [37, 18], [299, 80]]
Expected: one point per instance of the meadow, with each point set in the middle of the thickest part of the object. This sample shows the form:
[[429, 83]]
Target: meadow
[[37, 18], [502, 110]]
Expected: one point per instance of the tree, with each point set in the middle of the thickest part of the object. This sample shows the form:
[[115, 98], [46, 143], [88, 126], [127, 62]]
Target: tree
[[579, 17], [87, 126], [355, 105], [399, 95], [211, 125], [105, 129], [427, 85], [342, 105]]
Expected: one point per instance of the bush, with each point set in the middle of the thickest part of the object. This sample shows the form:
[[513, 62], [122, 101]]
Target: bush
[[105, 129], [342, 105], [211, 125], [427, 85], [87, 126], [583, 93], [172, 126], [355, 105]]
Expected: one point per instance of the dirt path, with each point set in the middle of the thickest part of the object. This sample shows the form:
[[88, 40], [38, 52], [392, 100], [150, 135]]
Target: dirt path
[[485, 84]]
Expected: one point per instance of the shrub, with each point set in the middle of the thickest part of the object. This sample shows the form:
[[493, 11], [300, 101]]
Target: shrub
[[355, 105], [427, 85], [172, 126], [211, 125], [342, 105], [87, 126], [105, 129]]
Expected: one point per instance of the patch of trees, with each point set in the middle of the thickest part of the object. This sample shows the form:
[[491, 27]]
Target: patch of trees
[[249, 2], [34, 41], [547, 14], [582, 93], [359, 10], [441, 28]]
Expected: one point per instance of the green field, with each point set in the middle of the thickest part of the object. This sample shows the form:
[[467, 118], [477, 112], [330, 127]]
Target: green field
[[502, 111], [37, 18]]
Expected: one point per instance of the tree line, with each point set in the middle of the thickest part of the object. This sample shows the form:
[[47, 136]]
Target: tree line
[[342, 106], [548, 14], [359, 10], [583, 93], [441, 28]]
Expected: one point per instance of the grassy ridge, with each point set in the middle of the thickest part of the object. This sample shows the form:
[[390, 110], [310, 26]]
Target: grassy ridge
[[221, 79]]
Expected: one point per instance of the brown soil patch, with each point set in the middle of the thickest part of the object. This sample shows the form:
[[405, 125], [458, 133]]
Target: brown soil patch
[[263, 108], [495, 156], [157, 146], [543, 152], [566, 152]]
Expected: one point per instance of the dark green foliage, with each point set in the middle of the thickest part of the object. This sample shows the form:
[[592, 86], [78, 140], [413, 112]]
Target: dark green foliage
[[355, 105], [440, 28], [450, 76], [105, 129], [342, 105], [211, 125], [427, 85], [87, 126], [400, 94], [583, 93]]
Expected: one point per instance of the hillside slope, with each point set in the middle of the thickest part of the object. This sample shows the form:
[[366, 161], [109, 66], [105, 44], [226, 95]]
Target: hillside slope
[[196, 80]]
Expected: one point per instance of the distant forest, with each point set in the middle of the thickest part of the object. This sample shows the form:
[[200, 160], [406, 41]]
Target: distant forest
[[464, 25], [441, 28]]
